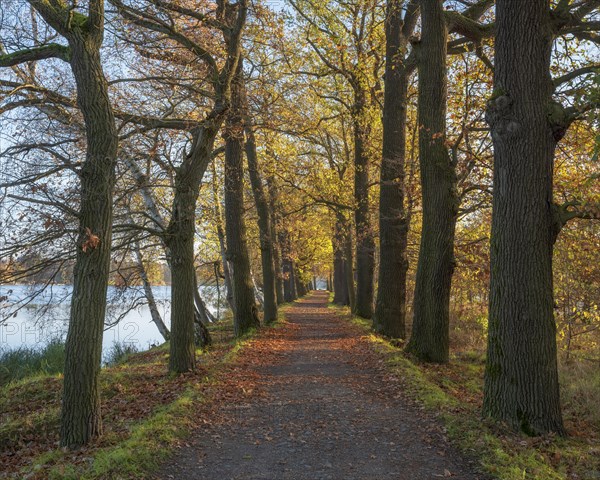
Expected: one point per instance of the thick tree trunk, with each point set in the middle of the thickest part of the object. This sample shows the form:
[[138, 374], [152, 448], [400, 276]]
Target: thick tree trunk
[[155, 215], [264, 225], [430, 335], [349, 270], [81, 419], [341, 295], [149, 294], [300, 287], [289, 285], [179, 240], [365, 243], [293, 280], [338, 283], [245, 311], [521, 380], [277, 247], [183, 281], [277, 267], [221, 237], [390, 310], [289, 290], [226, 269]]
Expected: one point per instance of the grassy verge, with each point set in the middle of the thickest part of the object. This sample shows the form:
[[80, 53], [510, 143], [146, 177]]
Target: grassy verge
[[453, 393], [146, 413], [25, 362]]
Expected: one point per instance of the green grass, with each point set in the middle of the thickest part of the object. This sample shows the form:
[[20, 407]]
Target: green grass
[[138, 446], [453, 394], [24, 362], [149, 442], [119, 353]]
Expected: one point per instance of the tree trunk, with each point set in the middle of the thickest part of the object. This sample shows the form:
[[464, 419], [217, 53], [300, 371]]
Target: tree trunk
[[430, 336], [245, 311], [277, 267], [289, 292], [277, 247], [349, 270], [202, 317], [221, 237], [365, 244], [258, 295], [155, 215], [300, 287], [264, 225], [341, 294], [202, 310], [521, 380], [179, 240], [183, 281], [340, 289], [81, 418], [149, 294], [390, 309], [289, 288]]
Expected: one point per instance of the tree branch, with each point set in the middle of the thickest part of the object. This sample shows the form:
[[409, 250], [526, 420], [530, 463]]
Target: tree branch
[[576, 73], [52, 50]]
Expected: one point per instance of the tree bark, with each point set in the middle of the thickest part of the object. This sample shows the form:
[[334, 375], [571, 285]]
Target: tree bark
[[149, 294], [245, 312], [179, 240], [349, 270], [300, 287], [338, 284], [430, 336], [293, 280], [226, 269], [277, 266], [154, 213], [289, 289], [365, 243], [277, 247], [183, 278], [289, 285], [221, 237], [341, 295], [264, 225], [521, 380], [390, 310], [81, 417]]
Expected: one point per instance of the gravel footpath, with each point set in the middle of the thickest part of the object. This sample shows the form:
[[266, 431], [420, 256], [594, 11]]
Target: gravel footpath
[[319, 404]]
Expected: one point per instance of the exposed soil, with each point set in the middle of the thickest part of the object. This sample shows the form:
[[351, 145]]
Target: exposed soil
[[312, 400]]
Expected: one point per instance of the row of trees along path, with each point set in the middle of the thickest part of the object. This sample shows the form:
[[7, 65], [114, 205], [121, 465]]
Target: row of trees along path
[[525, 123]]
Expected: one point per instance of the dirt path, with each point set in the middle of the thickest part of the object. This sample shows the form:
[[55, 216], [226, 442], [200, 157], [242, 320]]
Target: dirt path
[[317, 405]]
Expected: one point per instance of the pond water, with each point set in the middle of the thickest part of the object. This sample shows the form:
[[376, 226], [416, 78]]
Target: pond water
[[31, 316]]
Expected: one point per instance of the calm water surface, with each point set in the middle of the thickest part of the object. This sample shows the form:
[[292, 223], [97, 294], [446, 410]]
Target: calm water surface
[[30, 317]]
